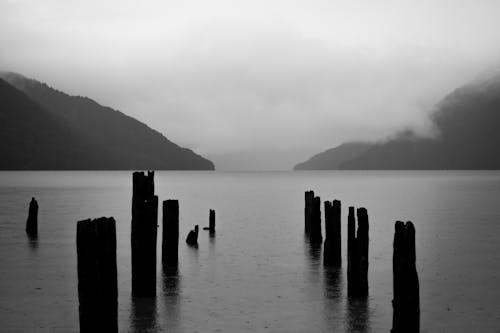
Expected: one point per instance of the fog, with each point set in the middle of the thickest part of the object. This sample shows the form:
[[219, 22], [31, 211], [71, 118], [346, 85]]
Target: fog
[[234, 78]]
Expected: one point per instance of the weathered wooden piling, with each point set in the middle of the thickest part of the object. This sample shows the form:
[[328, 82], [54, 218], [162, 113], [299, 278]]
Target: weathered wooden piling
[[309, 196], [315, 235], [362, 240], [211, 222], [357, 253], [192, 237], [406, 302], [352, 262], [143, 236], [332, 253], [32, 221], [97, 277], [170, 239]]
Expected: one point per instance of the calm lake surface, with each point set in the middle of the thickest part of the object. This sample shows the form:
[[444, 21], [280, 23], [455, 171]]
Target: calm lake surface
[[257, 274]]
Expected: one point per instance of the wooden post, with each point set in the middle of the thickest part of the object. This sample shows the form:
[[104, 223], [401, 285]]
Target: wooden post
[[357, 253], [192, 238], [352, 269], [32, 222], [406, 302], [332, 254], [309, 196], [143, 236], [362, 244], [170, 243], [97, 278], [328, 246], [211, 223], [315, 233]]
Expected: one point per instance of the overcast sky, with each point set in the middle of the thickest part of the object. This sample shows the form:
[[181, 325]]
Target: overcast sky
[[224, 76]]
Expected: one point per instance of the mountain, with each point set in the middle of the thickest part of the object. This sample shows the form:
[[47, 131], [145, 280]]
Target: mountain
[[466, 122], [331, 159], [33, 138], [112, 139]]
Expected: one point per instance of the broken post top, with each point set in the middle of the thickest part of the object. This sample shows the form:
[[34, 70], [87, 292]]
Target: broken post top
[[333, 204], [93, 231], [362, 216], [211, 221], [404, 236], [407, 229], [33, 203], [361, 212], [192, 237], [332, 207], [171, 204], [96, 222], [143, 184], [408, 226], [32, 221]]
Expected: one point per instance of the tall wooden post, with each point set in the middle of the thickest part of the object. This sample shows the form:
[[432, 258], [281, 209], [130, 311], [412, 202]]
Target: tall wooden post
[[332, 254], [352, 263], [211, 222], [170, 243], [315, 236], [143, 237], [97, 277], [362, 244], [406, 302], [309, 196], [357, 253], [32, 221]]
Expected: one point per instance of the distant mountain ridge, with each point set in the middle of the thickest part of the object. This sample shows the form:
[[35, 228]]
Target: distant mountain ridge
[[33, 138], [333, 158], [113, 139], [466, 122]]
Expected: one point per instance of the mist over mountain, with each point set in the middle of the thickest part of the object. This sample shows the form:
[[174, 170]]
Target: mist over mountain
[[331, 159], [82, 133], [466, 137]]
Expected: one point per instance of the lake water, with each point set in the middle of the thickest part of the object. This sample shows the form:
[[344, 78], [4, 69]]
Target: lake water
[[257, 274]]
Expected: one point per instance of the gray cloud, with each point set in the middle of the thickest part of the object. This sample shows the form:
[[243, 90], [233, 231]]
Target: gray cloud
[[229, 76]]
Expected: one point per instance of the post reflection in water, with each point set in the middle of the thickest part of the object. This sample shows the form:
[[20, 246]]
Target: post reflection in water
[[313, 251], [332, 297], [144, 314], [313, 254], [358, 314], [333, 282], [33, 242], [171, 295], [211, 239]]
